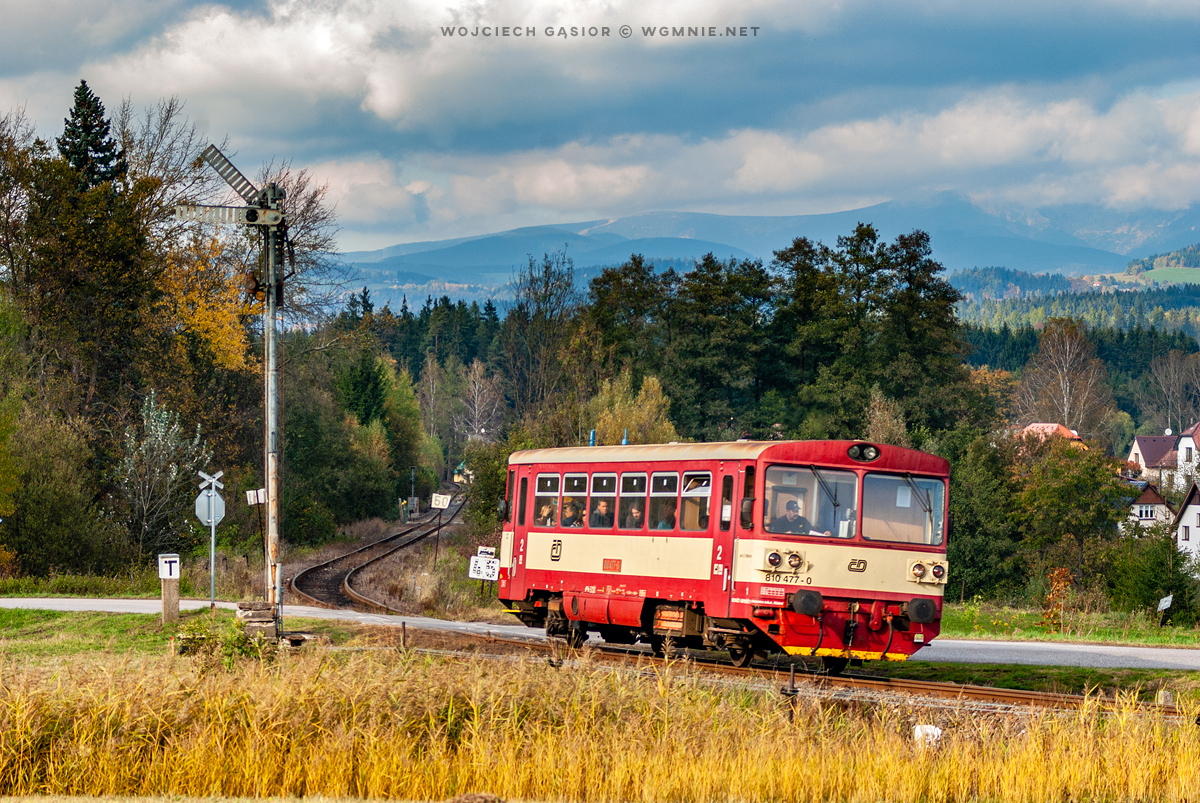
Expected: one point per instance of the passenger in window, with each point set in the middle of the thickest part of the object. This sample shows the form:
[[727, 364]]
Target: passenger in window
[[602, 517], [667, 520], [792, 520], [634, 519], [545, 516], [571, 515]]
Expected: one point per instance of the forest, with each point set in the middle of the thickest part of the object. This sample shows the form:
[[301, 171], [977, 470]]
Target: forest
[[130, 343]]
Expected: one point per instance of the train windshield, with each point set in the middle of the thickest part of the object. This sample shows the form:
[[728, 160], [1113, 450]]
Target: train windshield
[[810, 501], [903, 508]]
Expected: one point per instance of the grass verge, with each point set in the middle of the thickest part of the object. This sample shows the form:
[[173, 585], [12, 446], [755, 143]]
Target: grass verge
[[402, 725], [981, 620]]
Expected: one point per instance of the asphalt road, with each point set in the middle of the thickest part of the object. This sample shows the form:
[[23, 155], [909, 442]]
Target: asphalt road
[[943, 650]]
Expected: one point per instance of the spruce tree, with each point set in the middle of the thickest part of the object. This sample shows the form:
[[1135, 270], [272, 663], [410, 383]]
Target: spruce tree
[[87, 144]]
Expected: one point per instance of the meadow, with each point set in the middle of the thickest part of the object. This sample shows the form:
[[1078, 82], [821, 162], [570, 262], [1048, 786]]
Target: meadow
[[406, 725]]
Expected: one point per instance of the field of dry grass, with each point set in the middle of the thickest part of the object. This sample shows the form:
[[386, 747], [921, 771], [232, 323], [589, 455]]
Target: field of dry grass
[[405, 725]]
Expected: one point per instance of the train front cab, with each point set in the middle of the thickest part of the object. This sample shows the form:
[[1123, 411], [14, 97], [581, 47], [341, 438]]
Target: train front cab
[[863, 576]]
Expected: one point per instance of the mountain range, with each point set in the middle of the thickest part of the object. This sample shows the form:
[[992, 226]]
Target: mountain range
[[963, 235]]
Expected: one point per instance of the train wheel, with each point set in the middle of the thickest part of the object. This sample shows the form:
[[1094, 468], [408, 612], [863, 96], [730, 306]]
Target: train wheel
[[834, 665], [741, 656]]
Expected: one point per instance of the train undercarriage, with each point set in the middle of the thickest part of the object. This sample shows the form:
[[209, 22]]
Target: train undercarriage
[[837, 631]]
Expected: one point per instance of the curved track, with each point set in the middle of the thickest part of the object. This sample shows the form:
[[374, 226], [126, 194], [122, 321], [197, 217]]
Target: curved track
[[329, 584]]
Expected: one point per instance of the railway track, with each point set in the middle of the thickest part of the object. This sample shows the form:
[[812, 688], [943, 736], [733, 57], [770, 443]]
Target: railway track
[[330, 584], [794, 683]]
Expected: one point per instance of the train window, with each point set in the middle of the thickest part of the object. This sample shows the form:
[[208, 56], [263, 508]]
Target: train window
[[747, 511], [903, 508], [631, 514], [810, 501], [521, 500], [693, 511], [604, 501], [545, 501], [664, 501], [512, 481], [574, 501], [726, 503]]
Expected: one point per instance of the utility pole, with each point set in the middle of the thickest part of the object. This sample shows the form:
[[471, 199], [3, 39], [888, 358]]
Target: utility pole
[[266, 210], [273, 292]]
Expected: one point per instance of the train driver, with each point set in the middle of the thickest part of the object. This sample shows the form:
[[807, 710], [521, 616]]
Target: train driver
[[792, 520]]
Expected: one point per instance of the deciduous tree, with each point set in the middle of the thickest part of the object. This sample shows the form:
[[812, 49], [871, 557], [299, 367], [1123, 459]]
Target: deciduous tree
[[1064, 381]]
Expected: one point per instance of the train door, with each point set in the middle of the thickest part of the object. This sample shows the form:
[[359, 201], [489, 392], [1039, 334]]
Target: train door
[[722, 554], [521, 518], [743, 524]]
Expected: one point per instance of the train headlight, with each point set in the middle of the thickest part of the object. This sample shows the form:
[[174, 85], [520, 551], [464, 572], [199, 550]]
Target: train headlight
[[794, 560], [774, 559], [863, 452], [918, 570], [939, 571]]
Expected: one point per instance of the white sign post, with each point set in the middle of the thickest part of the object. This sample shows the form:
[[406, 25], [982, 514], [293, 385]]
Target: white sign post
[[210, 509], [438, 502], [484, 568], [1164, 605], [168, 574]]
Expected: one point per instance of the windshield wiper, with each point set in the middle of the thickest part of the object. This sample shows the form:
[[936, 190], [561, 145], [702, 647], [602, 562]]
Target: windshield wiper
[[925, 504], [825, 487]]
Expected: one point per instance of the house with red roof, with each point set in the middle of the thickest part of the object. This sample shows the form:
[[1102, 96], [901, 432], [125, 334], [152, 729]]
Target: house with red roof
[[1148, 507], [1156, 454], [1043, 431]]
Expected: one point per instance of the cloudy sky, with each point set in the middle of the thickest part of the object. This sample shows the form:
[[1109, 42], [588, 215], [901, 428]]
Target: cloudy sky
[[793, 107]]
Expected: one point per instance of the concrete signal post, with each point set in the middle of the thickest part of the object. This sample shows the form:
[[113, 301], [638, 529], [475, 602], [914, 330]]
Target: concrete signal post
[[168, 574], [264, 211]]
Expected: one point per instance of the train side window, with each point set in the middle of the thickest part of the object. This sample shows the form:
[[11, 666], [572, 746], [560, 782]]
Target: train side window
[[521, 499], [604, 501], [512, 482], [574, 501], [726, 503], [545, 501], [664, 501], [697, 490], [631, 514], [747, 511]]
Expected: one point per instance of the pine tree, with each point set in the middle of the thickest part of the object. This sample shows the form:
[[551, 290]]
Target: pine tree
[[87, 143]]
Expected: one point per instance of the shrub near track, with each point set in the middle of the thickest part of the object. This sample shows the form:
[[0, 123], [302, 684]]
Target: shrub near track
[[390, 724]]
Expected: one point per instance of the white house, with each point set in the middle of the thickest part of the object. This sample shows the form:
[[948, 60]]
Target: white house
[[1187, 522], [1187, 457], [1156, 454], [1148, 506]]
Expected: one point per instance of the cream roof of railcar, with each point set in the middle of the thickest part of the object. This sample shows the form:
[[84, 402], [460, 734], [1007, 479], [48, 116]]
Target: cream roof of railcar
[[736, 450]]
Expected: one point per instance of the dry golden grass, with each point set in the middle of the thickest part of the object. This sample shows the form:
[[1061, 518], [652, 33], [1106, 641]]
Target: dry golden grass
[[389, 724]]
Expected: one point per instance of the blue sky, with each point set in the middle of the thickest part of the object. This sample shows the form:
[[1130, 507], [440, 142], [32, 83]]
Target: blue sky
[[830, 106]]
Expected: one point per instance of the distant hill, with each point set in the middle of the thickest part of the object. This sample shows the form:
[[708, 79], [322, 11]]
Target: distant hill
[[999, 283], [1183, 258], [964, 236]]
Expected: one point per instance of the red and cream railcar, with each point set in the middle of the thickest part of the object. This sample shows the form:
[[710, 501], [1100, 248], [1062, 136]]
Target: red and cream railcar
[[828, 548]]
